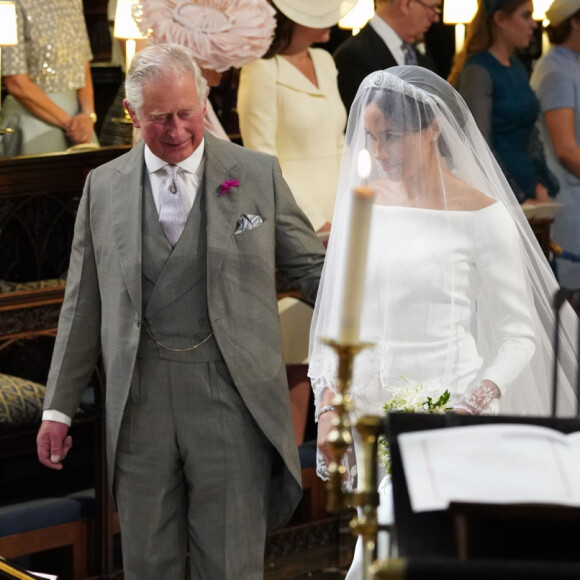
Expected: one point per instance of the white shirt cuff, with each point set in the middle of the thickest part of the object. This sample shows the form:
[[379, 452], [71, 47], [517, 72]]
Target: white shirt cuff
[[57, 416]]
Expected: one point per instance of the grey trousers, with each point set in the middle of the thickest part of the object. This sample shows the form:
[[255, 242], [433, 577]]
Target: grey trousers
[[192, 473]]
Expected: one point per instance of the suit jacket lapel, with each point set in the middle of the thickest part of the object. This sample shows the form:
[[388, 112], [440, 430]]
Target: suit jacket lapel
[[222, 211], [127, 220], [379, 54]]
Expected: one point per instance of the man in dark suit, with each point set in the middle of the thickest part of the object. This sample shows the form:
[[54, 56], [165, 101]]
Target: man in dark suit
[[388, 39], [172, 278]]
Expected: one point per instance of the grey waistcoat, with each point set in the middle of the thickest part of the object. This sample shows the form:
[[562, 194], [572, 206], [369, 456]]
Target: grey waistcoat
[[175, 287]]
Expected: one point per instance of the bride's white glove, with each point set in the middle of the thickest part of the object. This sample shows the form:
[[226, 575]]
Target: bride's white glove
[[477, 401]]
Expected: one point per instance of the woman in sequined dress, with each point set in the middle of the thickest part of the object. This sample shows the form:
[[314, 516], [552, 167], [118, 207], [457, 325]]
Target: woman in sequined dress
[[50, 102]]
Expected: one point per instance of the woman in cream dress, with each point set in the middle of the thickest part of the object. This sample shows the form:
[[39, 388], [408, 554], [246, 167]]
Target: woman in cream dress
[[289, 106]]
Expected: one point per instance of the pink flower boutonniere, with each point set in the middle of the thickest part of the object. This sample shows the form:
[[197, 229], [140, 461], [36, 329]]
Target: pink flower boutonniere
[[227, 185]]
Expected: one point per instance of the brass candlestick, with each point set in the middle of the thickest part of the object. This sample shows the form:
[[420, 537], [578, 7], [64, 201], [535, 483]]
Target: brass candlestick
[[367, 495], [340, 438]]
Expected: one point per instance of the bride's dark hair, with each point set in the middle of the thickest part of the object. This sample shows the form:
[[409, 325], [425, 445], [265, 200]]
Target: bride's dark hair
[[403, 111], [411, 114]]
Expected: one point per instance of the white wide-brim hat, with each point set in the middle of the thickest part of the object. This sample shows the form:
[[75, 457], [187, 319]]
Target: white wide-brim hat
[[315, 13], [559, 10]]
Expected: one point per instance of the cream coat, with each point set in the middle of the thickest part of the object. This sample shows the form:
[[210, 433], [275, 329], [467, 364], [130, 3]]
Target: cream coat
[[282, 113]]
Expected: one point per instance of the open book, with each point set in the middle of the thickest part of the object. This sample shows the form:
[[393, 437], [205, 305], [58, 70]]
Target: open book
[[499, 463], [538, 211]]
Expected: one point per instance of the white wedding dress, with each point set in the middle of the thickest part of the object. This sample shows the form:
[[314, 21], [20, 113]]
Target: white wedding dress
[[456, 288], [412, 318], [425, 331]]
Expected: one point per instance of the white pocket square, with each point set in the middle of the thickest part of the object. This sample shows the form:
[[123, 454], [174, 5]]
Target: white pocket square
[[247, 222]]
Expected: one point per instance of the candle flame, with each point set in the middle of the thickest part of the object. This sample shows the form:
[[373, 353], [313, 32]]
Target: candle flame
[[364, 163]]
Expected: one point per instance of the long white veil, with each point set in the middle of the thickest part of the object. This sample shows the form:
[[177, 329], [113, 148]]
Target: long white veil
[[457, 285]]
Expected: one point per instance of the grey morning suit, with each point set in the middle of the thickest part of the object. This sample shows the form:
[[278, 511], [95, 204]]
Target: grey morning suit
[[214, 423]]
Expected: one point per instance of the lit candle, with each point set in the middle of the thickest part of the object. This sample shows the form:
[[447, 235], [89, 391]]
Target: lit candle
[[356, 254]]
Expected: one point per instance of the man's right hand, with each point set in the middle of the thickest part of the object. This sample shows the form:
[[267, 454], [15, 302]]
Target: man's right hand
[[53, 443]]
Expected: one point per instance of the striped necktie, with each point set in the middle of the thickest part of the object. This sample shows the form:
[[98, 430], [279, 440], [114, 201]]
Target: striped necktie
[[410, 54], [173, 213]]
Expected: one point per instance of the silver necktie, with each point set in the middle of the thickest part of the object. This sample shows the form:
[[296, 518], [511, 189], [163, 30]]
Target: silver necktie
[[173, 213], [410, 55]]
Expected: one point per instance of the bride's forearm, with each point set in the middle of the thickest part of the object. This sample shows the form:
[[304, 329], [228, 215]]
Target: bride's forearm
[[327, 398]]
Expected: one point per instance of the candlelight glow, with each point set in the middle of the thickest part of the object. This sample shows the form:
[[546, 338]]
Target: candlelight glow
[[540, 7], [8, 34], [460, 13], [126, 28], [361, 13], [364, 163]]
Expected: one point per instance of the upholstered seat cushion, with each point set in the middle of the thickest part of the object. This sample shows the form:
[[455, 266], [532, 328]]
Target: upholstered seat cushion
[[36, 514], [87, 501], [20, 401]]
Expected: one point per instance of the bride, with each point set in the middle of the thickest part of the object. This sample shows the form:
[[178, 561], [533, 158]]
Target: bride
[[458, 294]]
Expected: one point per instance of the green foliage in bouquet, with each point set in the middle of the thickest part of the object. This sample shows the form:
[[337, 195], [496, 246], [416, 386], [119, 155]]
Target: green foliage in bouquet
[[410, 400]]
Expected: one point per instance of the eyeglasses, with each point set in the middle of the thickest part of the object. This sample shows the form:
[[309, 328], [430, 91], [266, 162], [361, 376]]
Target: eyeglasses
[[434, 11]]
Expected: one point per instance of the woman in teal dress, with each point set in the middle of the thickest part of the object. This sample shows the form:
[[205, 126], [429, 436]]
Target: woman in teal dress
[[495, 86]]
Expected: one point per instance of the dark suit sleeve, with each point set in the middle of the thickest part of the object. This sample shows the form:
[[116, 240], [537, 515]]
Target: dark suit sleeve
[[426, 61], [351, 72], [299, 251], [356, 58]]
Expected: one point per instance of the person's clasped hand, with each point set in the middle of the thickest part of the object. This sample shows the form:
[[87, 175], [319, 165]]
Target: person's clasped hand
[[80, 129]]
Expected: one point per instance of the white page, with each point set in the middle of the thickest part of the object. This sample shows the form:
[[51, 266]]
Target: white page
[[491, 464]]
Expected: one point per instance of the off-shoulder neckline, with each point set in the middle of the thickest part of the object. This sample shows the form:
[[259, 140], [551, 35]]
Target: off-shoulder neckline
[[424, 209]]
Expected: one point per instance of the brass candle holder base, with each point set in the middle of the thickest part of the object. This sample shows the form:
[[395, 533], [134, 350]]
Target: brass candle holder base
[[340, 438], [366, 497]]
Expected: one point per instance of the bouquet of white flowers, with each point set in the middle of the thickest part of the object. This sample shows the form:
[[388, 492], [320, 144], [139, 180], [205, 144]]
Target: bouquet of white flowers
[[412, 399]]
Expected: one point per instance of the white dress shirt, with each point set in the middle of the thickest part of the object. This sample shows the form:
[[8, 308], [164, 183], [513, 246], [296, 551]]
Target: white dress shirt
[[189, 176]]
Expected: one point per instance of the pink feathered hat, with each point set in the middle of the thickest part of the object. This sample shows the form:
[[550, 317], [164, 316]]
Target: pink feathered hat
[[220, 33]]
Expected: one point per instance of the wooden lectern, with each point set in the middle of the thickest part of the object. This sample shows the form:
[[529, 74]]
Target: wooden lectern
[[468, 531]]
